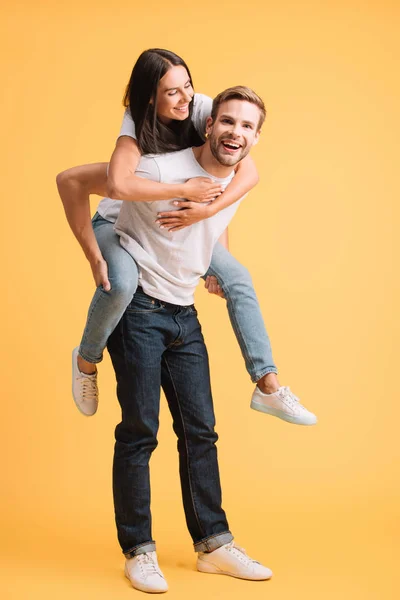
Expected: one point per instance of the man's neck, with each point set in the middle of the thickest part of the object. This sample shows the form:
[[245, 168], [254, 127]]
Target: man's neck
[[209, 163]]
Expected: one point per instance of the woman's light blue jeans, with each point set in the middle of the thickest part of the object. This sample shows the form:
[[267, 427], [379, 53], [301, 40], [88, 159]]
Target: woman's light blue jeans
[[107, 308]]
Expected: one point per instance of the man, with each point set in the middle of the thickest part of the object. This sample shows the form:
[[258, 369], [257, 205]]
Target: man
[[159, 342]]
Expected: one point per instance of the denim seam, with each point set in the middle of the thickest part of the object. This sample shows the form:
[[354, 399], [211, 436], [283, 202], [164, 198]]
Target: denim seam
[[237, 331], [210, 537], [151, 542], [187, 448], [257, 377]]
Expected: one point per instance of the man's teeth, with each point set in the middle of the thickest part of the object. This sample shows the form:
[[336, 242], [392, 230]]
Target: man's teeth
[[231, 145]]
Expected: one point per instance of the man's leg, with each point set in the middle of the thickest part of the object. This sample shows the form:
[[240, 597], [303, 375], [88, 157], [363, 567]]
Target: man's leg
[[186, 383], [136, 347]]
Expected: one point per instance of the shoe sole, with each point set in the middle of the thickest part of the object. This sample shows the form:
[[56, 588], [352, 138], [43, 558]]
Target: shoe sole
[[143, 589], [204, 567], [74, 359], [278, 413]]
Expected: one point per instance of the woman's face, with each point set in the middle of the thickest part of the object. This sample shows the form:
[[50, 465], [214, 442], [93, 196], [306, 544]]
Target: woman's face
[[174, 95]]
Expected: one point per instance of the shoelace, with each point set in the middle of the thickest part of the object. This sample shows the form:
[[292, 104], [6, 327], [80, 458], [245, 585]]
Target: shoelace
[[147, 564], [239, 552], [89, 388], [290, 398]]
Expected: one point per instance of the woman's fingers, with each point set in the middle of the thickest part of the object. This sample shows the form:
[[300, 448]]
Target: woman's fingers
[[168, 223]]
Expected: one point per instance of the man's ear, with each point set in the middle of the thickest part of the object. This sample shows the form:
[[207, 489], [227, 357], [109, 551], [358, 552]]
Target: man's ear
[[209, 123], [257, 137]]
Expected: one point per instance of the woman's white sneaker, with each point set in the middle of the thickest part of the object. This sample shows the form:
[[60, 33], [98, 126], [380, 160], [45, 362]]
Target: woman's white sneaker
[[284, 405], [144, 573], [84, 388], [232, 560]]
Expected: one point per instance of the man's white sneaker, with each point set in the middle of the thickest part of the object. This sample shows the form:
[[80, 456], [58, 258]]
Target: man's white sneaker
[[144, 573], [284, 405], [84, 388], [232, 560]]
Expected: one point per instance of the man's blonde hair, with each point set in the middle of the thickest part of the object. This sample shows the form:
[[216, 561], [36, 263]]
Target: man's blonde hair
[[239, 92]]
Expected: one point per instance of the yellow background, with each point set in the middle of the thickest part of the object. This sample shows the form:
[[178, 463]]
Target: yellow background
[[319, 505]]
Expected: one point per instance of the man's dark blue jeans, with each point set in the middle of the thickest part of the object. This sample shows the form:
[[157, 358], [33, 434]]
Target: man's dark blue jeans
[[157, 344]]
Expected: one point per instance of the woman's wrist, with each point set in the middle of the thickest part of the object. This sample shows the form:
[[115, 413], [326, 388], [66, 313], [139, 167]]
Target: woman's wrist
[[212, 208], [180, 189]]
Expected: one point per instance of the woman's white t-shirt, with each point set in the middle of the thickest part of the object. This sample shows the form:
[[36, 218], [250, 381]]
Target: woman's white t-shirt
[[108, 208]]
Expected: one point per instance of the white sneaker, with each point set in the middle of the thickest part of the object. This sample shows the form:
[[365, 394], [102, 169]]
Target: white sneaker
[[284, 405], [144, 573], [232, 560], [84, 388]]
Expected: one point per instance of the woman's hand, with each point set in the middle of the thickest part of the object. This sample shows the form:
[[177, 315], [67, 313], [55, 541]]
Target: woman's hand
[[100, 273], [213, 286], [191, 212], [201, 189]]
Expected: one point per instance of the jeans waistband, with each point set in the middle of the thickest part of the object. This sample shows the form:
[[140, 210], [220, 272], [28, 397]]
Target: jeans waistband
[[163, 302]]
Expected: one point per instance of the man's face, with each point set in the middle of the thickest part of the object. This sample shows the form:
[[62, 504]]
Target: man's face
[[234, 131]]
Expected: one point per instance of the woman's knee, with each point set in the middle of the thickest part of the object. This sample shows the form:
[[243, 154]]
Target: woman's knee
[[235, 276], [123, 286]]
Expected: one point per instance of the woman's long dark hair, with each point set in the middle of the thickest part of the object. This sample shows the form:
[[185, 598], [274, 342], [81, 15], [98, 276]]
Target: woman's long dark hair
[[153, 136]]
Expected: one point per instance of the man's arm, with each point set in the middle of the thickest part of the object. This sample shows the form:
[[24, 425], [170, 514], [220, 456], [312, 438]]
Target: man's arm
[[74, 187], [211, 283]]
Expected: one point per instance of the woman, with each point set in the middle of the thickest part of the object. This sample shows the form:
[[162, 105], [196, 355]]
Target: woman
[[163, 115]]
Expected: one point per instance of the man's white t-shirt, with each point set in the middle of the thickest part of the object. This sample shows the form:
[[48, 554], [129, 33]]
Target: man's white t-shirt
[[170, 264], [109, 209]]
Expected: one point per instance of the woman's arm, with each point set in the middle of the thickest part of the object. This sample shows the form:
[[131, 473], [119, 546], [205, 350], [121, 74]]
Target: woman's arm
[[123, 184], [246, 177], [224, 239]]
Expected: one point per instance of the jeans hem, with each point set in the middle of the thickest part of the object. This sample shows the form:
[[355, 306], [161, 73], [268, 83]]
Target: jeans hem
[[213, 542], [140, 549], [88, 358], [256, 378]]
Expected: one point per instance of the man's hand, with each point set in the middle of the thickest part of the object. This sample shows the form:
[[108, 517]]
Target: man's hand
[[100, 273], [191, 212], [213, 286]]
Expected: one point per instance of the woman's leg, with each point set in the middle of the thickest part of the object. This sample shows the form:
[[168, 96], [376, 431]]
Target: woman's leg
[[247, 322], [244, 313], [107, 308], [105, 312]]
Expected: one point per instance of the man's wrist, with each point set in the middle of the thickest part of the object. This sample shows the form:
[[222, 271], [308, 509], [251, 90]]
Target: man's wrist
[[94, 257]]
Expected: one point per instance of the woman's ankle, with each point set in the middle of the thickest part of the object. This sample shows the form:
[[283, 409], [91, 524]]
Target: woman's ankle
[[86, 367]]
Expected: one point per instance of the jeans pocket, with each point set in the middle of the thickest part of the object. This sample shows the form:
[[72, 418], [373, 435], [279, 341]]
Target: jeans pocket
[[192, 310], [141, 303]]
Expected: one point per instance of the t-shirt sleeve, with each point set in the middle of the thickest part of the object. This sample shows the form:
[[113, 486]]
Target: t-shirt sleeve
[[128, 126], [202, 105], [148, 169]]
